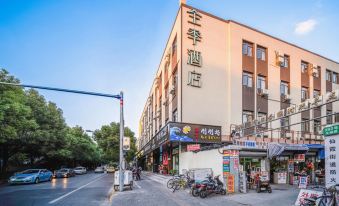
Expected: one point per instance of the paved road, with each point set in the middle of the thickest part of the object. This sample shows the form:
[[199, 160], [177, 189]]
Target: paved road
[[152, 191], [89, 189]]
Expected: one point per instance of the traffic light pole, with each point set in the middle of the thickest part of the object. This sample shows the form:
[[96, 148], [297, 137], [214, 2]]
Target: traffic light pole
[[119, 96], [121, 170]]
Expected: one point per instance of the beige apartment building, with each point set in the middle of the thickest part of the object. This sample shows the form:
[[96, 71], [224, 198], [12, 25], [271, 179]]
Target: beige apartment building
[[217, 73]]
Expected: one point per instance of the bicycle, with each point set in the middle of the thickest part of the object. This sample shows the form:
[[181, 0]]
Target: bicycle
[[179, 183], [328, 197]]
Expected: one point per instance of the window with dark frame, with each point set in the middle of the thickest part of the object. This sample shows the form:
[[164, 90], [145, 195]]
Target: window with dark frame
[[329, 117], [328, 75], [247, 79], [284, 88], [247, 116], [261, 84], [304, 93], [261, 53], [247, 48], [305, 126], [304, 67]]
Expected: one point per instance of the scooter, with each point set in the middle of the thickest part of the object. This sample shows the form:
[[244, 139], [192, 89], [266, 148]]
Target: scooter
[[212, 186]]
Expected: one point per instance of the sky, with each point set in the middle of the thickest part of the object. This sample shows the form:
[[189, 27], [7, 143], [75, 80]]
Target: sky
[[112, 46]]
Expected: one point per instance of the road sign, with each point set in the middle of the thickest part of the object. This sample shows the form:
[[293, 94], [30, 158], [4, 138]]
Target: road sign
[[126, 144], [331, 130]]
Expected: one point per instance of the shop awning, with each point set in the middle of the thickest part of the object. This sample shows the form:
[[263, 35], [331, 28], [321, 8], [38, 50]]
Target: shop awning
[[277, 149], [314, 146]]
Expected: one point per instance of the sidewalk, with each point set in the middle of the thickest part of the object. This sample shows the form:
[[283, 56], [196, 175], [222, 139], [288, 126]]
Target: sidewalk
[[282, 194]]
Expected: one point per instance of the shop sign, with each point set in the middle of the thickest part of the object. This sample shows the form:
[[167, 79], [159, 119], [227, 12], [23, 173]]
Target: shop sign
[[331, 130], [160, 137], [331, 160], [302, 182], [230, 183], [306, 194], [183, 132], [226, 163], [299, 158], [165, 158], [250, 144], [193, 147]]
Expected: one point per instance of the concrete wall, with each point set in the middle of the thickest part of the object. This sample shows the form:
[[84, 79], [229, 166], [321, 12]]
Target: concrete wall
[[204, 159]]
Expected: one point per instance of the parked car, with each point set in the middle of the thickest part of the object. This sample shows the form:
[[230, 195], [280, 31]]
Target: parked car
[[110, 169], [65, 172], [99, 170], [80, 170], [31, 176]]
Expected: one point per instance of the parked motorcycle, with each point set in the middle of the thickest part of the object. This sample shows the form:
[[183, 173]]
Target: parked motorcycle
[[213, 185]]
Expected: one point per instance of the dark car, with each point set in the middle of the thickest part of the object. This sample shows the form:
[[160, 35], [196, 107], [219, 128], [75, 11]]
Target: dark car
[[65, 172]]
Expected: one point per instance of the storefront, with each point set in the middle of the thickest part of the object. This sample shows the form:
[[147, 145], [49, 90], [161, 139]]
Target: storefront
[[162, 152]]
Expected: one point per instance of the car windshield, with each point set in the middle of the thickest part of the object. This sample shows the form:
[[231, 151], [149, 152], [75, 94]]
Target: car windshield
[[30, 171], [63, 170], [78, 168]]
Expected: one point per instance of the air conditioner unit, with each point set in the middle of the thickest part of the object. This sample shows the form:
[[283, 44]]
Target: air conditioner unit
[[313, 136], [287, 97], [265, 92], [307, 136], [288, 135]]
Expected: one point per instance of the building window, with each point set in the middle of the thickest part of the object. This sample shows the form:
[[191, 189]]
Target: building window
[[261, 84], [174, 46], [247, 116], [175, 84], [329, 117], [305, 126], [336, 117], [316, 126], [247, 79], [328, 75], [285, 62], [304, 66], [284, 88], [247, 48], [316, 93], [175, 116], [260, 116], [335, 78], [261, 53], [284, 123], [304, 93]]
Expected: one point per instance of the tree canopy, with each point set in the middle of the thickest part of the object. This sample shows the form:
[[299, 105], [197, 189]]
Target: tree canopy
[[34, 132]]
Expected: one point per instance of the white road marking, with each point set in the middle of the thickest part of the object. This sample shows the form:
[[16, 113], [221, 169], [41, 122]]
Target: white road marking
[[138, 186], [67, 194]]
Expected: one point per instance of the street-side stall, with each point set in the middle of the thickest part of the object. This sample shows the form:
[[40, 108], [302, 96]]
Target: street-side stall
[[285, 169]]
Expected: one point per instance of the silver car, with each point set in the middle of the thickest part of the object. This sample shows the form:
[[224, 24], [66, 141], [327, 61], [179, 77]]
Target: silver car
[[80, 170]]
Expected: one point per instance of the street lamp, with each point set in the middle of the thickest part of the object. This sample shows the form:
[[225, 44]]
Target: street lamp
[[118, 96]]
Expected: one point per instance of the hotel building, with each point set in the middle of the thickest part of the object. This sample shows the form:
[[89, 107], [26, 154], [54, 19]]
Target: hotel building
[[216, 73]]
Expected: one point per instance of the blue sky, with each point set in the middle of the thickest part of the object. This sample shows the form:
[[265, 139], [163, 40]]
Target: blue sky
[[108, 46]]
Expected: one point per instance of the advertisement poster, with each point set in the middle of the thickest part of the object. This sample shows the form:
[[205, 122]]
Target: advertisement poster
[[230, 183], [303, 182], [299, 158], [282, 178], [236, 164], [306, 194], [193, 147]]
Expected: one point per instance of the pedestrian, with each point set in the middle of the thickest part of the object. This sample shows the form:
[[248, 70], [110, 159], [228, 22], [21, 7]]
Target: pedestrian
[[139, 173]]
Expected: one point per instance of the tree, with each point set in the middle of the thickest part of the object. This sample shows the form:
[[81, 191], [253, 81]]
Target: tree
[[108, 140]]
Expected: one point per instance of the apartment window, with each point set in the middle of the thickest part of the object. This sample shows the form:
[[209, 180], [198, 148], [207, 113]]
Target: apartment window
[[261, 53], [174, 45], [284, 123], [316, 93], [329, 117], [285, 62], [304, 93], [247, 49], [316, 126], [260, 115], [305, 126], [335, 78], [175, 84], [328, 75], [284, 88], [304, 66], [336, 117], [247, 116], [175, 116], [261, 84], [247, 79]]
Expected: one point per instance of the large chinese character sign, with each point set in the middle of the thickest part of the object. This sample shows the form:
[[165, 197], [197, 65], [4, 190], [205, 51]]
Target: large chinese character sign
[[331, 134]]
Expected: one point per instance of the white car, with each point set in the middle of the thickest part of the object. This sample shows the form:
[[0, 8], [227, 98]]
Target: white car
[[99, 170], [80, 170]]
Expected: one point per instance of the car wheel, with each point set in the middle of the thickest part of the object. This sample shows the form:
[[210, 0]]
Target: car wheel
[[36, 180]]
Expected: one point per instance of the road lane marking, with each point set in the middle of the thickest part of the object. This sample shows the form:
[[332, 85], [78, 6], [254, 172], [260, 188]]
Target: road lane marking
[[67, 194], [138, 186]]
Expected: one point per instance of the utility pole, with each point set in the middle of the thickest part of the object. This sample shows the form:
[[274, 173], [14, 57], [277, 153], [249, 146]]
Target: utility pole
[[121, 170]]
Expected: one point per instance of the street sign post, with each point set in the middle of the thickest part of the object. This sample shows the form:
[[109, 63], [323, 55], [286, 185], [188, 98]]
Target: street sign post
[[127, 143], [331, 134]]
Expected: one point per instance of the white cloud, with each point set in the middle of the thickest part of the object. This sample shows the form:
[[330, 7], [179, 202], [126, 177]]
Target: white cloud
[[305, 27]]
